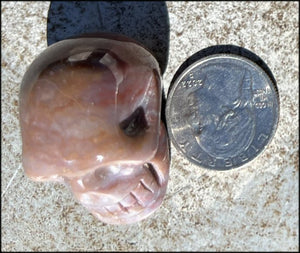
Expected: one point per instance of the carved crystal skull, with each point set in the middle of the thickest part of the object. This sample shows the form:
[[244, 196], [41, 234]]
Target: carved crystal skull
[[90, 118]]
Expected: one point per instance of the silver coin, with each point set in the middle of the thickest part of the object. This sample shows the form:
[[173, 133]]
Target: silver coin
[[222, 111]]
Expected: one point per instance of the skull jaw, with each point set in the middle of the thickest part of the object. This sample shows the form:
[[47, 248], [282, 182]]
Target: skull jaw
[[124, 193], [124, 215]]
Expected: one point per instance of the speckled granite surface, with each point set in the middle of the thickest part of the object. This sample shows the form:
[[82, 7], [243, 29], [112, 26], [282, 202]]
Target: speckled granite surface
[[253, 208]]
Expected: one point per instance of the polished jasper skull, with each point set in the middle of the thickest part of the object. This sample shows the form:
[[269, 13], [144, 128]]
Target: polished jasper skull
[[90, 118]]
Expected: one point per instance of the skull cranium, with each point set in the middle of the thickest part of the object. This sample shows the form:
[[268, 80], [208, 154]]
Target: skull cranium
[[90, 118]]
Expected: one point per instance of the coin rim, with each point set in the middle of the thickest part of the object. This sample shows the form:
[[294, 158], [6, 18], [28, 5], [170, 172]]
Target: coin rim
[[199, 62]]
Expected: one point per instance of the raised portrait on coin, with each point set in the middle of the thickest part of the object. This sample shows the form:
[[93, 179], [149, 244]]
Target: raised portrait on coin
[[222, 118]]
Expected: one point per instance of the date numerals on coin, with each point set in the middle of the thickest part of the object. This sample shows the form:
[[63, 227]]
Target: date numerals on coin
[[193, 83]]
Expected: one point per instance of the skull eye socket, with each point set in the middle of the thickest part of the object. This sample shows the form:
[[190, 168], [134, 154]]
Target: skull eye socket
[[135, 124]]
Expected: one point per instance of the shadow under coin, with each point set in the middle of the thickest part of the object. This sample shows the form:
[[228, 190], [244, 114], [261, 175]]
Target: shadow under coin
[[224, 49], [147, 22]]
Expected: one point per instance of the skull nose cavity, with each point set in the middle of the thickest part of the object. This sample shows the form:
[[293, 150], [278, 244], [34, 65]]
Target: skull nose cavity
[[135, 124]]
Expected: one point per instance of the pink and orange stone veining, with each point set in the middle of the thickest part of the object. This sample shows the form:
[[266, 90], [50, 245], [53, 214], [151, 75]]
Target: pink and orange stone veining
[[90, 118]]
